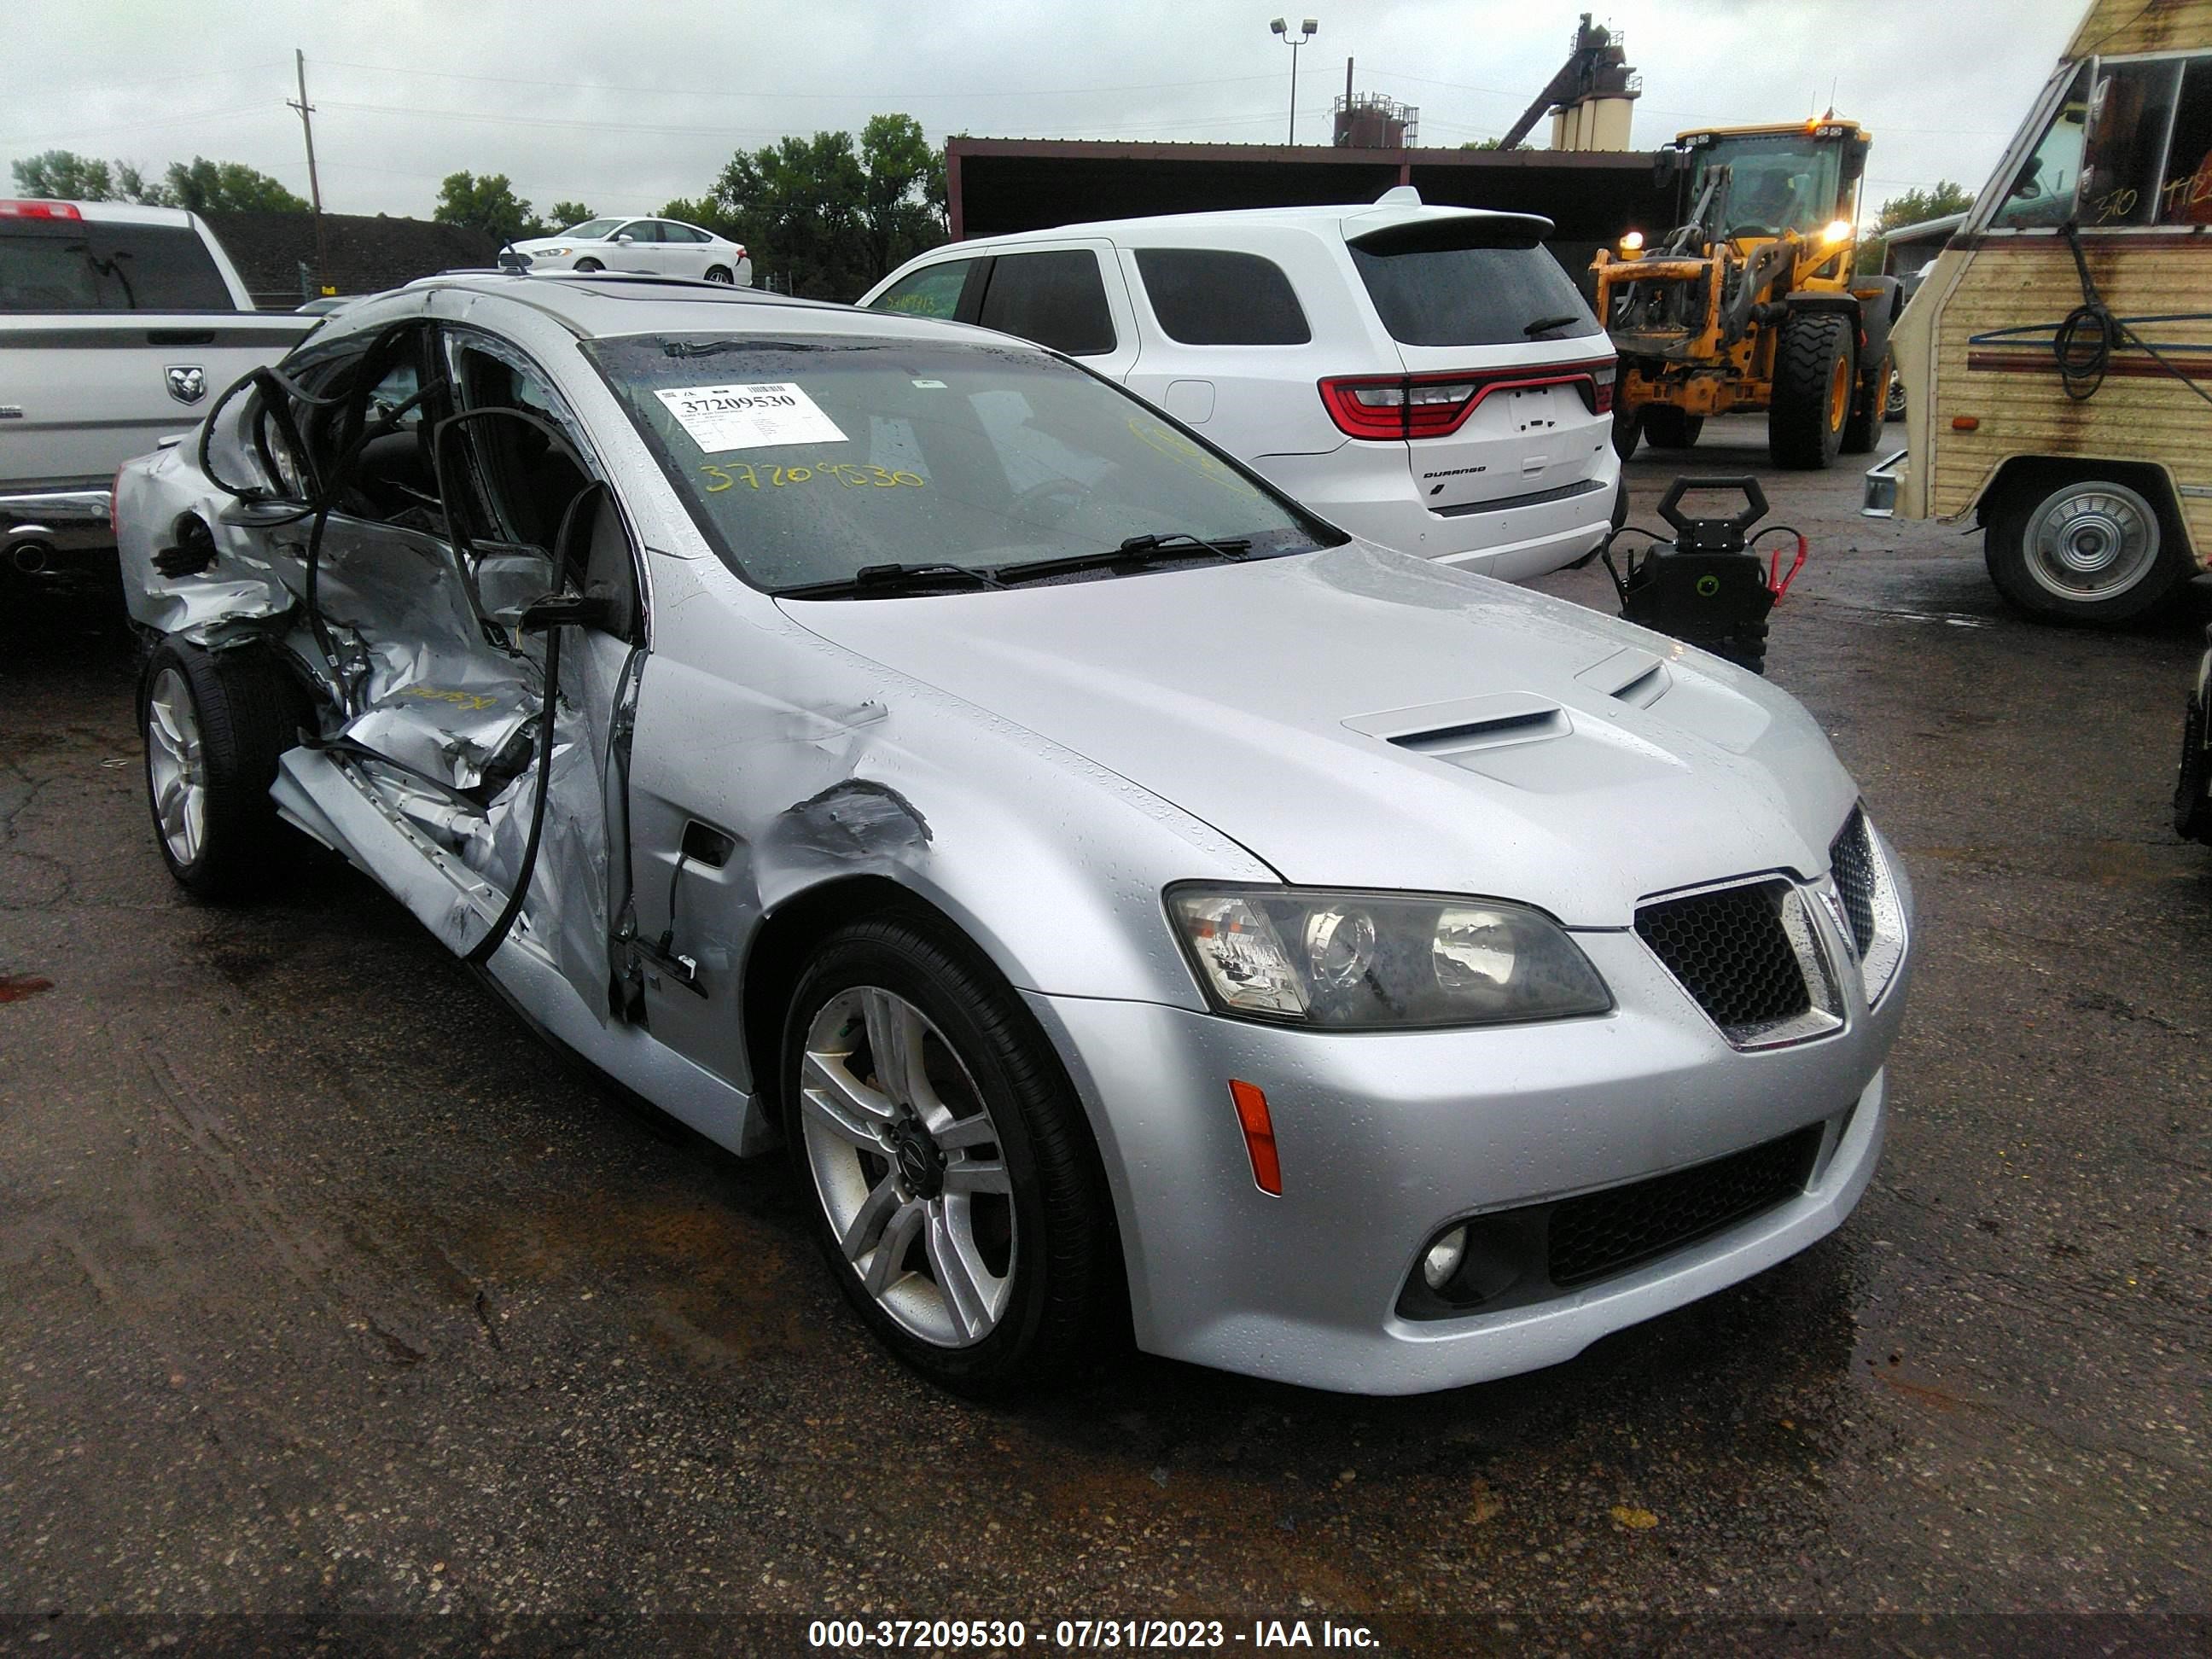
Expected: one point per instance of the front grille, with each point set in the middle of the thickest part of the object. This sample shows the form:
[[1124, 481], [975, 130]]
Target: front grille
[[1852, 861], [1516, 1257], [1608, 1232], [1732, 952]]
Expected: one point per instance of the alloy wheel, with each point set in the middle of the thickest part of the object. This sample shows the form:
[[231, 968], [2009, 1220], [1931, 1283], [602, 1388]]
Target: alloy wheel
[[176, 766], [908, 1166]]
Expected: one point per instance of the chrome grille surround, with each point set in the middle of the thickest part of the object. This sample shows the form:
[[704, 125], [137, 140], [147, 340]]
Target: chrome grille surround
[[1866, 885], [1730, 946]]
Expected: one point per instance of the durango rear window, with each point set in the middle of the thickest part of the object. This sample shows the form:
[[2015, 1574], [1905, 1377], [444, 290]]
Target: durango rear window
[[74, 265], [1430, 293]]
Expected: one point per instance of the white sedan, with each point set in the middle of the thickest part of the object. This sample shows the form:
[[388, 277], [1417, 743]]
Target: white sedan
[[666, 247]]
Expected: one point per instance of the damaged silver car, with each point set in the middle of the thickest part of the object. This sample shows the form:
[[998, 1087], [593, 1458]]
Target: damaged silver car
[[1127, 897]]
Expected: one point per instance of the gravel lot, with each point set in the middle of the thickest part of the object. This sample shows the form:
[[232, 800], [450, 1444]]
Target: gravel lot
[[327, 1288]]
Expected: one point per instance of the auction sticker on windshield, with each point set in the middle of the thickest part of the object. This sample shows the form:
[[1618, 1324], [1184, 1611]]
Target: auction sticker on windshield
[[720, 418]]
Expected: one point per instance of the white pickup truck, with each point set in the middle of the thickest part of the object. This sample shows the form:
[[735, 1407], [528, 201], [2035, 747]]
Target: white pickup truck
[[118, 326]]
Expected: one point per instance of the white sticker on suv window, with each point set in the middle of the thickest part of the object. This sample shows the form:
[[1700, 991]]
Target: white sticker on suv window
[[720, 418]]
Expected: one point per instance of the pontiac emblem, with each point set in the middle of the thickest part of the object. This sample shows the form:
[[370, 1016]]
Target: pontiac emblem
[[187, 382]]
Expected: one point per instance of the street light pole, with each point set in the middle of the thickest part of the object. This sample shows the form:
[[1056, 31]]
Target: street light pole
[[1282, 29]]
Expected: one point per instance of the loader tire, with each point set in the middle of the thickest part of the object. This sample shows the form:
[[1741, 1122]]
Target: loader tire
[[1814, 385], [1863, 431], [1666, 427]]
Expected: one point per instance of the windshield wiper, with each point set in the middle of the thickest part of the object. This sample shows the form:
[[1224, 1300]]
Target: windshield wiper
[[1133, 554], [1546, 325], [887, 580]]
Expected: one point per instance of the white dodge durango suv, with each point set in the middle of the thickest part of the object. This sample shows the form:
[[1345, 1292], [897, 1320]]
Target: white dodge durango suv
[[1427, 377]]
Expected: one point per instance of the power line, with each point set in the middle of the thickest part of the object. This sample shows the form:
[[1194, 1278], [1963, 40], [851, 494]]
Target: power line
[[837, 94]]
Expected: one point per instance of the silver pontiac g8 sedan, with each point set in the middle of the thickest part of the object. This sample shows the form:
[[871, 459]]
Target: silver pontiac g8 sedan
[[1120, 890]]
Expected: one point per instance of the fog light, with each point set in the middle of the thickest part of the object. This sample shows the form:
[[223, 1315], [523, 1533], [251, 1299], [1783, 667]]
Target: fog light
[[1444, 1258]]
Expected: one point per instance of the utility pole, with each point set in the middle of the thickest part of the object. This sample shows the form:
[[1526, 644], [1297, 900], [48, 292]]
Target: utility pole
[[314, 184]]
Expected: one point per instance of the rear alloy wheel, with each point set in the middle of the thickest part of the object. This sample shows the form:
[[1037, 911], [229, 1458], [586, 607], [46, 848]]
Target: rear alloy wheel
[[1813, 389], [2076, 547], [1893, 408], [1666, 427], [1863, 430], [214, 727], [957, 1196], [720, 273]]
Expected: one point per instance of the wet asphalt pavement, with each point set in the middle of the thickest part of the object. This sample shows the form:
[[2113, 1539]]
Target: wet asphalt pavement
[[326, 1287]]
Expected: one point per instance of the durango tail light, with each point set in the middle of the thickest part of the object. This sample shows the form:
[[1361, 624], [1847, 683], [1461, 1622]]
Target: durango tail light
[[1405, 406]]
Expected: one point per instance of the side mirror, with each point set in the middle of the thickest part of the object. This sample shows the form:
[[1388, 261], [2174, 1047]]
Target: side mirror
[[2024, 182], [565, 610], [592, 552], [625, 239]]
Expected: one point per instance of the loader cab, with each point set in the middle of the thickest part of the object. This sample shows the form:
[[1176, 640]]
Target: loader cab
[[1770, 182]]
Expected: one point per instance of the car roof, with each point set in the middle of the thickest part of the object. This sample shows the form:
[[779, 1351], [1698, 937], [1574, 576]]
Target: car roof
[[1340, 218], [604, 304]]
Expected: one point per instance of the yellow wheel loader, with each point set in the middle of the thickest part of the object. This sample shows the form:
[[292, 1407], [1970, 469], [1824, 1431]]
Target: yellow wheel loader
[[1750, 302]]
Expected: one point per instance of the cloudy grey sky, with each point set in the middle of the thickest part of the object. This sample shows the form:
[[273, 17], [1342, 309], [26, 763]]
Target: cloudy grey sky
[[623, 106]]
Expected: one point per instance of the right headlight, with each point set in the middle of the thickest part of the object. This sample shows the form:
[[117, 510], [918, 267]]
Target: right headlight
[[1355, 961]]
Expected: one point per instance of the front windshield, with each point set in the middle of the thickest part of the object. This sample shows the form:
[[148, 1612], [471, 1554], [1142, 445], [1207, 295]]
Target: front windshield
[[591, 229], [1779, 182], [807, 461]]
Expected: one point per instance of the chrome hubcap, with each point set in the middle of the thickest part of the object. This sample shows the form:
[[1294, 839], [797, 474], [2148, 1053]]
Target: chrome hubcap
[[908, 1163], [2092, 541], [176, 769]]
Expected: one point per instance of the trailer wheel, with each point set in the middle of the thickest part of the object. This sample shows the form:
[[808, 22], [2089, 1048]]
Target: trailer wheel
[[1813, 389], [1666, 427], [2069, 544], [1870, 409]]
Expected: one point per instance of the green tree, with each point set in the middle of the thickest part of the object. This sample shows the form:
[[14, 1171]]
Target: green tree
[[63, 175], [1914, 207], [133, 185], [565, 214], [489, 205], [206, 186], [903, 193], [826, 216]]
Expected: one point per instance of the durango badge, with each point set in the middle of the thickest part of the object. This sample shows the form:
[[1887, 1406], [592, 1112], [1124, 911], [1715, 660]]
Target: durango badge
[[187, 382]]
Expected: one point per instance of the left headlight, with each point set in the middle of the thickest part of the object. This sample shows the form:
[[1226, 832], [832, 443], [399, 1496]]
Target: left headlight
[[1352, 961]]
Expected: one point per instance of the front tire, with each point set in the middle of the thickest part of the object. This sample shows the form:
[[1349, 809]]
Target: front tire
[[2068, 544], [584, 267], [1666, 427], [955, 1192], [1813, 389], [213, 726]]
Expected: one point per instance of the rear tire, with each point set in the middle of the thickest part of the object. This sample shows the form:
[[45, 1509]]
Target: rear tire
[[1863, 431], [1666, 427], [720, 273], [989, 1150], [1893, 407], [2192, 811], [2066, 544], [1814, 387], [213, 726], [1627, 429]]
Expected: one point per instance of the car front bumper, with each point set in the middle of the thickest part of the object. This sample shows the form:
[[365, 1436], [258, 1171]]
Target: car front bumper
[[1385, 1138]]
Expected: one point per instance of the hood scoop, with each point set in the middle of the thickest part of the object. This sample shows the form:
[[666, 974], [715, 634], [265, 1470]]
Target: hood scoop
[[1448, 730], [1635, 677]]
